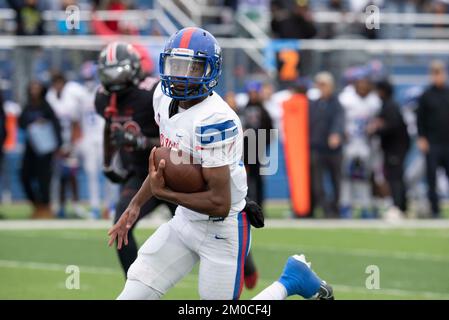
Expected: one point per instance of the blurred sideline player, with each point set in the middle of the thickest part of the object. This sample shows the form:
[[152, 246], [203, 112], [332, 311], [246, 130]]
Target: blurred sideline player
[[210, 227], [124, 100], [66, 98], [91, 146], [361, 104]]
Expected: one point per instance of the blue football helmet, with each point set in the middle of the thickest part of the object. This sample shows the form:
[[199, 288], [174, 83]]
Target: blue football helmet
[[190, 64]]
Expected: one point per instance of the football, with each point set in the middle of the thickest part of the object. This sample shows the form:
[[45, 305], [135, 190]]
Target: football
[[181, 174]]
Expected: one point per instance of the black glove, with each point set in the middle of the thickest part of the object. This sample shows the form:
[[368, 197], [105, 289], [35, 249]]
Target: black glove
[[254, 213], [113, 176], [122, 138], [116, 172]]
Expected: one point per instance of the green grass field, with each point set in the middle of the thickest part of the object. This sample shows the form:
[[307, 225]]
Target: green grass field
[[413, 263]]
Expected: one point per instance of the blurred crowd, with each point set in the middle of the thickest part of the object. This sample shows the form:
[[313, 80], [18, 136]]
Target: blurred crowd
[[368, 152], [284, 19], [369, 155], [62, 135]]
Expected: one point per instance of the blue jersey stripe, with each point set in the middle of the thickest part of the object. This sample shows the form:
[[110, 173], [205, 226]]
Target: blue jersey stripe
[[215, 127], [217, 137]]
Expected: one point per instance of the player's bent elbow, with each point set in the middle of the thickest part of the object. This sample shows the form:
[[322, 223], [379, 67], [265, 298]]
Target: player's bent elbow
[[221, 208]]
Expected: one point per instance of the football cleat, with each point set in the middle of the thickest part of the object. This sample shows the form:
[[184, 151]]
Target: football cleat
[[325, 292], [298, 278]]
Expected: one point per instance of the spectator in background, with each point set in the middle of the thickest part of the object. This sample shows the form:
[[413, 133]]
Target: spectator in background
[[29, 19], [395, 142], [43, 138], [292, 23], [326, 126], [255, 118], [433, 129], [439, 8], [66, 99], [29, 22], [332, 30], [361, 105], [91, 144]]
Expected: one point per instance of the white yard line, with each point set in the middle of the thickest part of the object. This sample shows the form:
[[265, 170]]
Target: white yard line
[[269, 223], [190, 281]]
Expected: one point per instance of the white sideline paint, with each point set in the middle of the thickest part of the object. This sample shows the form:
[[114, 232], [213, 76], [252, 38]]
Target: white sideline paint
[[269, 224], [190, 281]]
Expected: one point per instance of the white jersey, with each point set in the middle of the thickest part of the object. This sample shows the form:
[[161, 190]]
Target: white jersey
[[67, 106], [359, 111], [211, 132]]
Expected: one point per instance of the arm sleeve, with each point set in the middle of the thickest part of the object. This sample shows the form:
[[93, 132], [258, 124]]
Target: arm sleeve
[[217, 141]]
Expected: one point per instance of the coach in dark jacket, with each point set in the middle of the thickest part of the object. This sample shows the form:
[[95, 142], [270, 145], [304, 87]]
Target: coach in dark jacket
[[326, 129], [255, 117], [37, 161], [389, 125], [433, 129]]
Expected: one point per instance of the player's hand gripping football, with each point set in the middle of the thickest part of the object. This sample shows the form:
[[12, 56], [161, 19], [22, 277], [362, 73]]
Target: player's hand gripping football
[[120, 230], [157, 180]]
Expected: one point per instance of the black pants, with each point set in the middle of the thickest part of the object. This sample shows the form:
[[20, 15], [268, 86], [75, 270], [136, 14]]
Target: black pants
[[36, 175], [128, 253], [394, 174], [320, 163], [438, 156]]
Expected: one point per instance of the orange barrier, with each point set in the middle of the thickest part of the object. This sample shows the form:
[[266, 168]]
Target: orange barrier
[[296, 148], [11, 132]]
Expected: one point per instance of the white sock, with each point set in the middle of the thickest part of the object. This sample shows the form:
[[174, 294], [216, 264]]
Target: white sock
[[136, 290], [276, 291]]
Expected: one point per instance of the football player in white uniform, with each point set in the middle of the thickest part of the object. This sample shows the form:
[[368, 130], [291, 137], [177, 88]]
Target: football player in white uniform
[[361, 104], [209, 227]]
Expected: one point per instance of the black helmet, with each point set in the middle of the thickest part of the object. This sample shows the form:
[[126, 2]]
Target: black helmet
[[119, 66]]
